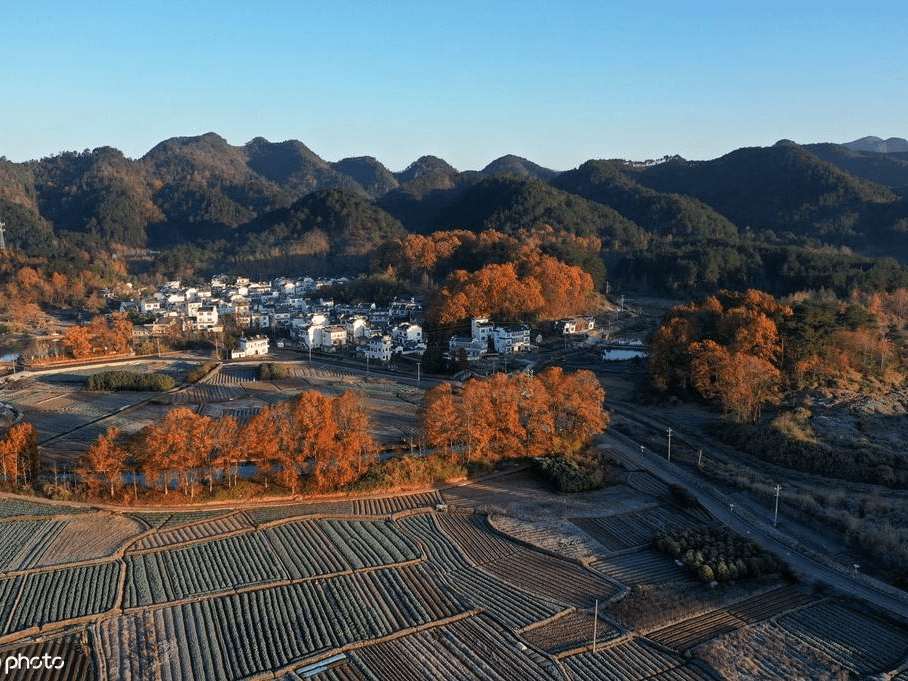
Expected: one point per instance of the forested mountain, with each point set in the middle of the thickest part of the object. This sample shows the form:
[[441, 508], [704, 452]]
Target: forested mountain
[[756, 216]]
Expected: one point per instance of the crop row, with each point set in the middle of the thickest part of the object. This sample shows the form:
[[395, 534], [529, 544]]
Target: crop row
[[77, 663], [20, 539], [770, 604], [64, 594], [208, 567], [696, 630], [553, 579], [244, 634], [196, 531], [10, 508], [859, 641], [642, 567], [626, 530], [631, 660], [553, 534], [476, 539], [389, 505], [267, 514], [571, 631], [473, 649], [510, 605], [440, 550], [295, 550], [165, 521]]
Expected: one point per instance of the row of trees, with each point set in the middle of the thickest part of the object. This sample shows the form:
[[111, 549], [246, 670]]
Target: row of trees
[[513, 416], [326, 439]]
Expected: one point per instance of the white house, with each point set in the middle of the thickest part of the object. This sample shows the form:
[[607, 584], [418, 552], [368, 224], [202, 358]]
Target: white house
[[407, 333], [473, 347], [206, 316], [481, 329], [379, 347], [333, 337], [147, 305], [251, 347], [357, 327], [511, 339]]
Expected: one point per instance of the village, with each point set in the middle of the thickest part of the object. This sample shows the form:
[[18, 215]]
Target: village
[[292, 311]]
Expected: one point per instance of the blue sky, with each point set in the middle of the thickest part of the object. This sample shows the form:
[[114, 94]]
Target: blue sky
[[557, 83]]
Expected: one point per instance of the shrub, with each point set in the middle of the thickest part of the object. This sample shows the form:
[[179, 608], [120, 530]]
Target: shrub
[[717, 554], [129, 380], [566, 475], [271, 371]]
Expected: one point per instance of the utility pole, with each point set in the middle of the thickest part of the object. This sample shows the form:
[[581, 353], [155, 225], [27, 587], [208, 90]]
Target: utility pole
[[669, 431], [775, 517], [2, 232], [418, 363], [699, 458], [595, 623]]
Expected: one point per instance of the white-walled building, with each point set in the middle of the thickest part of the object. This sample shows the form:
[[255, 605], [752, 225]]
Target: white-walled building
[[333, 338], [379, 347], [511, 339], [406, 333], [251, 347]]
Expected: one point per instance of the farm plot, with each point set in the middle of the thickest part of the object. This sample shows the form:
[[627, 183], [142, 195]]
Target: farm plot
[[556, 535], [205, 529], [642, 567], [696, 630], [234, 375], [267, 514], [629, 530], [511, 606], [386, 506], [472, 649], [766, 651], [241, 635], [368, 544], [11, 508], [510, 489], [572, 631], [202, 393], [553, 579], [861, 642], [65, 594], [23, 540], [204, 568], [475, 537], [440, 550], [77, 665], [9, 591], [163, 521], [632, 660], [87, 538]]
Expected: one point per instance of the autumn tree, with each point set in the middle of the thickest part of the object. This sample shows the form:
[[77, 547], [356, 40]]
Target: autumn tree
[[103, 465], [179, 446], [355, 443], [19, 454], [442, 419]]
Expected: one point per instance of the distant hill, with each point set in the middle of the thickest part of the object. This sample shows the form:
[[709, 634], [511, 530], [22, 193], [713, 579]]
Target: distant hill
[[889, 169], [515, 165], [877, 145], [372, 176], [612, 183], [783, 188], [509, 203]]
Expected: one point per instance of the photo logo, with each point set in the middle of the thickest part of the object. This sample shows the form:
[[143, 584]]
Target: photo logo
[[23, 662]]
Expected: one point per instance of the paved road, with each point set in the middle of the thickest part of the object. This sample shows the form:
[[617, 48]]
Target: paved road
[[741, 521]]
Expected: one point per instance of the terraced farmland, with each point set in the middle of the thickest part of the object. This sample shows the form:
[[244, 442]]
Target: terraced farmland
[[641, 567], [632, 660], [629, 530], [859, 641], [571, 632], [240, 635]]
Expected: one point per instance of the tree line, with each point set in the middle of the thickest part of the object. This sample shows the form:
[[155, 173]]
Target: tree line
[[312, 441]]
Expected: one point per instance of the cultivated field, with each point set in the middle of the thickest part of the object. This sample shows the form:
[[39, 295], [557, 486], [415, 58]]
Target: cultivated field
[[390, 587]]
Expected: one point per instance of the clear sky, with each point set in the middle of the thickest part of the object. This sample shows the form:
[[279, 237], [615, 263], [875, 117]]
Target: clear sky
[[556, 82]]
